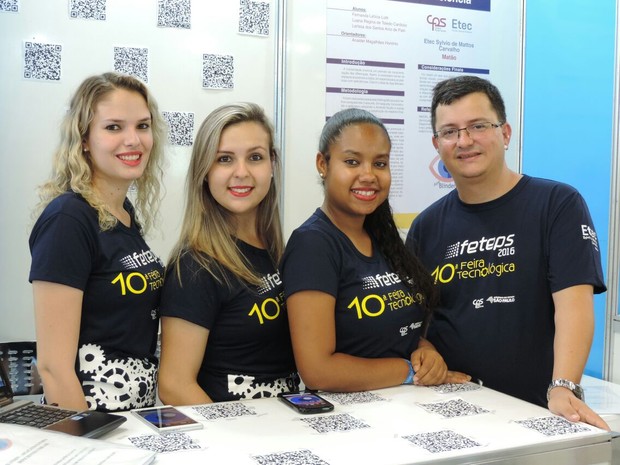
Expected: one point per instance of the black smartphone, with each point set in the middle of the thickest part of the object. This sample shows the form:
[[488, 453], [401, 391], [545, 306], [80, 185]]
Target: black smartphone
[[166, 418], [306, 402]]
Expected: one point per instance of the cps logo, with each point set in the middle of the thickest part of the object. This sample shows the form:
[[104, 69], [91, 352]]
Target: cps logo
[[478, 303], [436, 22]]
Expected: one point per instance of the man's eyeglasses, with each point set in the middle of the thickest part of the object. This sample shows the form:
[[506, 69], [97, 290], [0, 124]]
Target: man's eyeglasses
[[452, 134]]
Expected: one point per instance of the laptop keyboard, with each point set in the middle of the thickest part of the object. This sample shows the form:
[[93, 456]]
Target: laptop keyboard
[[35, 415]]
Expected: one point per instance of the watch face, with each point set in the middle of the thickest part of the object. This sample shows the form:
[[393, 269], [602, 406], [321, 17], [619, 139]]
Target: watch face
[[578, 391]]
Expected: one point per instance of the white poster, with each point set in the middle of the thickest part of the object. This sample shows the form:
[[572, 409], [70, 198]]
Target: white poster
[[386, 56]]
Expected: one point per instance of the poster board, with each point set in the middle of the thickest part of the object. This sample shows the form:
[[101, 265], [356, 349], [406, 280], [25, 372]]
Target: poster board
[[385, 57]]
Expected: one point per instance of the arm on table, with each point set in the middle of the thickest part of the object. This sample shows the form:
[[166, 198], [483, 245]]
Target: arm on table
[[58, 312], [313, 333], [431, 368], [574, 329], [183, 345]]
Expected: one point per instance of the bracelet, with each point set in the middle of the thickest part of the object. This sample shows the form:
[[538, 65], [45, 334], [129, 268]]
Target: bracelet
[[409, 379]]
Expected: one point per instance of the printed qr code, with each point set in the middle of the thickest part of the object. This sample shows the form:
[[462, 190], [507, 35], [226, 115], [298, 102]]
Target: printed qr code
[[169, 442], [552, 426], [333, 423], [217, 71], [450, 388], [87, 9], [254, 17], [174, 13], [42, 61], [453, 408], [347, 398], [296, 457], [223, 410], [441, 441], [9, 5], [180, 127], [132, 61]]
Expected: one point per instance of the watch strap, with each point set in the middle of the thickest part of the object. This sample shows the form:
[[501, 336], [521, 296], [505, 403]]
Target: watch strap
[[575, 388]]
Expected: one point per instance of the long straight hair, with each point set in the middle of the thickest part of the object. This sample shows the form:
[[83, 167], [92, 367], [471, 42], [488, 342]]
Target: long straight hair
[[72, 168], [207, 231]]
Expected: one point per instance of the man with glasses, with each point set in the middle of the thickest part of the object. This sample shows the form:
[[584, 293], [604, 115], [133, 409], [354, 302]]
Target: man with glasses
[[515, 259]]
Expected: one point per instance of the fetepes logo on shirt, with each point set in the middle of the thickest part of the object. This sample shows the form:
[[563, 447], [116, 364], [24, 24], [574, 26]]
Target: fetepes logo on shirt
[[138, 259], [270, 281], [481, 245]]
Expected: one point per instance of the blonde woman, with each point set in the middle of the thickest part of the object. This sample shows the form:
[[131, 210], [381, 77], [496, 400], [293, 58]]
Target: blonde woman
[[224, 327], [96, 283]]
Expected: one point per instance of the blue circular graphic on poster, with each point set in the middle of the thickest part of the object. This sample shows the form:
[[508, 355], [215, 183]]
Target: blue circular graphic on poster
[[5, 443], [441, 169]]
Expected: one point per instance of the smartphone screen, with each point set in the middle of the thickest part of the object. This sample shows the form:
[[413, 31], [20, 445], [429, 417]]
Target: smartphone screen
[[167, 418], [306, 402]]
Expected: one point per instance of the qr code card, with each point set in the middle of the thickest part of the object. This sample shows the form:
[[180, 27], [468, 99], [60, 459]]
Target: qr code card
[[254, 17], [88, 9], [349, 398], [441, 441], [453, 408], [334, 423], [169, 442], [9, 5], [295, 457], [42, 61], [133, 61], [552, 426], [223, 410], [174, 13], [180, 127], [217, 71], [450, 388]]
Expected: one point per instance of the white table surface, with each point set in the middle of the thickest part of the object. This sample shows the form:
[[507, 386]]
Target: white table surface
[[275, 428], [604, 398]]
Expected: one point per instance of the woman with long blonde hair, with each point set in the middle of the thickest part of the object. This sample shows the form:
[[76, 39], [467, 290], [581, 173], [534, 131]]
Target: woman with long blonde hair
[[224, 326], [96, 283]]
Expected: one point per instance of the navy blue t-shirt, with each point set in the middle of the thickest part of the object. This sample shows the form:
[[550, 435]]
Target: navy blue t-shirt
[[376, 315], [497, 265], [249, 353], [121, 279]]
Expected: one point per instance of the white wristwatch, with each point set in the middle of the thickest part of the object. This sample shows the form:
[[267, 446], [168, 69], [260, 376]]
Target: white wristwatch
[[565, 383]]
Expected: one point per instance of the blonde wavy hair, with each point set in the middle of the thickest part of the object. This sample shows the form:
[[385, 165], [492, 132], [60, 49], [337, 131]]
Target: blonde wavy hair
[[72, 170], [208, 228]]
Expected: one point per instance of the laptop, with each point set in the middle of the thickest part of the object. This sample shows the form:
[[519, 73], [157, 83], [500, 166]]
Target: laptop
[[90, 424]]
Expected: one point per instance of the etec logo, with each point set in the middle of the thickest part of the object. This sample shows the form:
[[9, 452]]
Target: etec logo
[[436, 22]]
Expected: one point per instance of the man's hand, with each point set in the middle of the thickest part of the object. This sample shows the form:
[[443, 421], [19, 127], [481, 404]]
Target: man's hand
[[563, 402]]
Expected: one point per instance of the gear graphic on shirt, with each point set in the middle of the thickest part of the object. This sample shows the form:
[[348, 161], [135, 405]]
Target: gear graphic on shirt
[[116, 384], [244, 387], [91, 358]]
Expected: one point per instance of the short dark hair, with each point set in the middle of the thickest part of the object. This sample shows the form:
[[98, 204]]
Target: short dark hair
[[448, 91]]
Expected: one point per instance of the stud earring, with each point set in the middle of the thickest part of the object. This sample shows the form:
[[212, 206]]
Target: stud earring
[[322, 175]]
